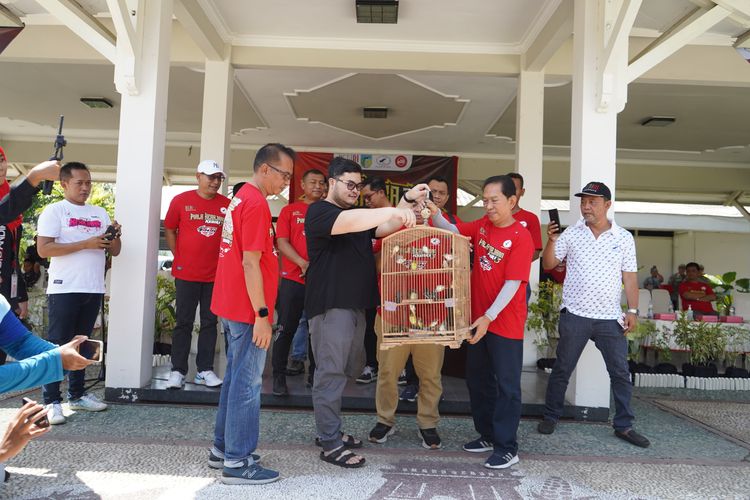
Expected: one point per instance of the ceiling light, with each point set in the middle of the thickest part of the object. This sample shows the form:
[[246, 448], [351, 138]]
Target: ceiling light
[[658, 121], [97, 102], [377, 11], [375, 112]]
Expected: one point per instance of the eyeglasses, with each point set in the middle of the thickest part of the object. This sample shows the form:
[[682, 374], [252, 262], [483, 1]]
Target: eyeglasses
[[286, 175], [351, 186], [215, 177]]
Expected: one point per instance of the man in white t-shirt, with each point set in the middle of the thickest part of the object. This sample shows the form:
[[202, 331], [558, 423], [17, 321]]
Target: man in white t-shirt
[[72, 232]]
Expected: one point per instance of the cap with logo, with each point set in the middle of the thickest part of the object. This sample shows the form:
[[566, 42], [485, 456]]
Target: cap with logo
[[210, 167], [596, 189]]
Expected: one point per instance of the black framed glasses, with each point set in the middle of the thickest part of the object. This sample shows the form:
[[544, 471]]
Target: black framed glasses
[[286, 175], [350, 185]]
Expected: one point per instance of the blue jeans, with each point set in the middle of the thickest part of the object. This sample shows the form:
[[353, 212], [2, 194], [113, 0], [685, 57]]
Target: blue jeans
[[238, 419], [70, 314], [299, 343], [493, 376], [575, 332]]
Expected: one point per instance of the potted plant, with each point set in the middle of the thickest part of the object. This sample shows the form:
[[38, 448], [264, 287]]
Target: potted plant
[[706, 342], [543, 316], [165, 316], [723, 286]]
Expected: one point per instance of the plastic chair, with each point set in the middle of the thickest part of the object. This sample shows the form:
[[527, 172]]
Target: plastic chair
[[660, 300], [644, 297]]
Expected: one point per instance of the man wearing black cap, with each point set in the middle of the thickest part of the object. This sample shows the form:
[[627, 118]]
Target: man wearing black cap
[[600, 257]]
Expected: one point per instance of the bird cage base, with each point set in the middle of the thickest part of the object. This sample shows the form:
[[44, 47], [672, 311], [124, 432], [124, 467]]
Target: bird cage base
[[420, 337]]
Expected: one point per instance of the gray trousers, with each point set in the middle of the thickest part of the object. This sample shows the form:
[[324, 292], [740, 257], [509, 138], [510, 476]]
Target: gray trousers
[[335, 335]]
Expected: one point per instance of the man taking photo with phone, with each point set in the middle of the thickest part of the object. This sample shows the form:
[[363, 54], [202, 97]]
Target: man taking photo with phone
[[72, 233]]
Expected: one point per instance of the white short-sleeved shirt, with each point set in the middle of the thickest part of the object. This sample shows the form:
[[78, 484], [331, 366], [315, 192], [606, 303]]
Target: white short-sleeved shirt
[[81, 271], [593, 283]]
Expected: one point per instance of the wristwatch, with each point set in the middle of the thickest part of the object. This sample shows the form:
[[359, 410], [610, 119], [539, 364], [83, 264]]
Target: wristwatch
[[633, 311], [262, 312], [407, 200]]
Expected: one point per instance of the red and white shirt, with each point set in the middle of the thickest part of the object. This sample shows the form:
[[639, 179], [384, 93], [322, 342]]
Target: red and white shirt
[[198, 222], [530, 221], [594, 267], [247, 228], [696, 305], [500, 254], [291, 225]]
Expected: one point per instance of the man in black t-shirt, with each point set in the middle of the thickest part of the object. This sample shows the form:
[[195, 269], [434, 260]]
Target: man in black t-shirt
[[340, 286]]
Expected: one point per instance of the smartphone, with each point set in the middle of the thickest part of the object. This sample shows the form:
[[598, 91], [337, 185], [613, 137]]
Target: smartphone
[[110, 233], [554, 216], [92, 349], [43, 421]]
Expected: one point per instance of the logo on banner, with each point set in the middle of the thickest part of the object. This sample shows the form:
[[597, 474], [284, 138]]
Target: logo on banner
[[382, 162], [402, 161]]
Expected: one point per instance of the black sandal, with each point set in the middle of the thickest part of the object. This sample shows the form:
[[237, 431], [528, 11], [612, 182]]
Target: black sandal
[[341, 456], [350, 442]]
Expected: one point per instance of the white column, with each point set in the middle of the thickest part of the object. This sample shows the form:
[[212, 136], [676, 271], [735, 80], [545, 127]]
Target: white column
[[216, 127], [140, 165], [529, 159], [592, 158]]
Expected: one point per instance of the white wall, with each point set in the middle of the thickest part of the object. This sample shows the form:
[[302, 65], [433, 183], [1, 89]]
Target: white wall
[[718, 252], [654, 250]]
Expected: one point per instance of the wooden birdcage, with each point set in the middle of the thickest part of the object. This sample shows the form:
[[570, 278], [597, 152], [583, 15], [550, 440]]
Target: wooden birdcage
[[425, 293]]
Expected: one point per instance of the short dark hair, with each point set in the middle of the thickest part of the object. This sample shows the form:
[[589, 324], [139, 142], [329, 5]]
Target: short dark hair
[[693, 264], [516, 175], [271, 152], [507, 186], [438, 178], [236, 188], [340, 165], [376, 183], [313, 171], [66, 172]]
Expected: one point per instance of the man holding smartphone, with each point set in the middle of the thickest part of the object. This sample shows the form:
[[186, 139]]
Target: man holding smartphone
[[72, 232], [601, 259]]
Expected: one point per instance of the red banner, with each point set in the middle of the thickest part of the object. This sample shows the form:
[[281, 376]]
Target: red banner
[[400, 172]]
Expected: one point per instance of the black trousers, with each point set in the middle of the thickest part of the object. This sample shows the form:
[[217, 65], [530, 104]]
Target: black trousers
[[190, 295], [290, 305]]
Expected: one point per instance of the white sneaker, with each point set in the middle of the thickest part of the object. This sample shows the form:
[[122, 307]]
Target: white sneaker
[[87, 402], [176, 380], [55, 414], [207, 378]]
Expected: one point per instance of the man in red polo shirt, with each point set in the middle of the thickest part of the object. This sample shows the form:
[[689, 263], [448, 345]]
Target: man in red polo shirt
[[192, 229], [527, 219], [290, 235], [502, 259], [247, 278], [695, 293]]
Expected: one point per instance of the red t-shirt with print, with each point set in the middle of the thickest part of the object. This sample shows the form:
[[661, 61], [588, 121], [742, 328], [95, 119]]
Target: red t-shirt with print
[[291, 225], [198, 223], [697, 305], [500, 254], [247, 228], [531, 222]]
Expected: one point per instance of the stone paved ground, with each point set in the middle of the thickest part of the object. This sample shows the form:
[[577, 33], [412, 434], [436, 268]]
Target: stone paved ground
[[149, 451]]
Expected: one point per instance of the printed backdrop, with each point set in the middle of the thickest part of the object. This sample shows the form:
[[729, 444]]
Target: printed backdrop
[[400, 172]]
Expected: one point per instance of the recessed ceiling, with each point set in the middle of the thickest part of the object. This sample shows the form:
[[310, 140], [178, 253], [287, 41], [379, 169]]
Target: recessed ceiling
[[411, 105]]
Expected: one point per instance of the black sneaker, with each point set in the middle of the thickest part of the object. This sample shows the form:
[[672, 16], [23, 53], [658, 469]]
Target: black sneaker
[[478, 446], [409, 393], [430, 439], [497, 461], [402, 378], [295, 367], [279, 385], [380, 433], [369, 374], [633, 437], [546, 426]]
